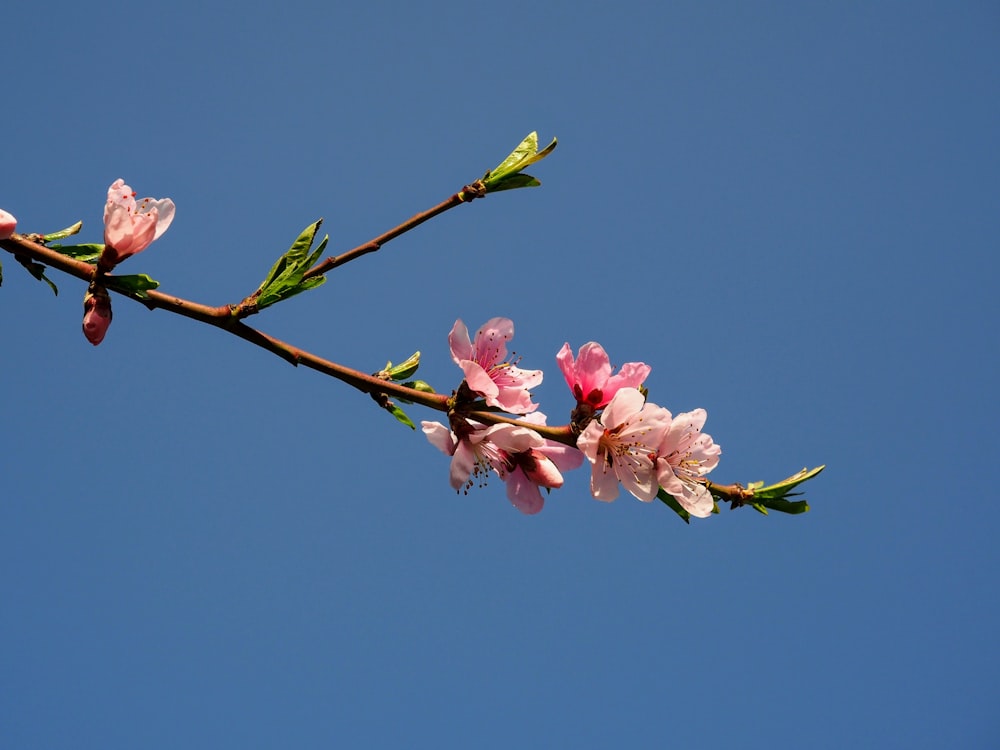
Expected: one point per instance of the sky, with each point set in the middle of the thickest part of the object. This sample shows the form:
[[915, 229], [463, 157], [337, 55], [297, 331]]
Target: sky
[[789, 210]]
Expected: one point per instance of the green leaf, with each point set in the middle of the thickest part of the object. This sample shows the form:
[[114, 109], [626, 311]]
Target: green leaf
[[511, 182], [400, 415], [775, 496], [782, 488], [787, 506], [522, 157], [63, 233], [88, 253], [403, 370], [675, 506], [417, 385], [285, 280], [134, 285], [38, 271]]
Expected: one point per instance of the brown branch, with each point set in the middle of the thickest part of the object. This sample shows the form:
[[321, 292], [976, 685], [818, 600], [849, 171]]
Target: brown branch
[[465, 195]]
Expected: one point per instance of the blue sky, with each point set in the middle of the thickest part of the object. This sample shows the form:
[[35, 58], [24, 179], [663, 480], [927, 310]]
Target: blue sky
[[789, 210]]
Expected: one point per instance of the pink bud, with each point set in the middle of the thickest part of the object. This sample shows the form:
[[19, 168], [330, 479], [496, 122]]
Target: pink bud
[[7, 225], [96, 314]]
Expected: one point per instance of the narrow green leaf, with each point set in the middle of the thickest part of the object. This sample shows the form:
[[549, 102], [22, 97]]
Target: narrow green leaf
[[38, 271], [63, 233], [400, 415], [675, 506], [135, 285], [787, 506], [782, 488], [514, 181], [284, 280], [520, 158], [88, 253], [404, 369]]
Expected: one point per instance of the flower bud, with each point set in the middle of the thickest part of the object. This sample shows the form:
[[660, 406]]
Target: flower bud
[[96, 314], [7, 225]]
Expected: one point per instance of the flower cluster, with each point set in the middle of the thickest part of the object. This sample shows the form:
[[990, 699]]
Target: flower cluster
[[626, 439]]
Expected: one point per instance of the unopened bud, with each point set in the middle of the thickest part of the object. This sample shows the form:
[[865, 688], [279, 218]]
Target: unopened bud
[[96, 314], [7, 225]]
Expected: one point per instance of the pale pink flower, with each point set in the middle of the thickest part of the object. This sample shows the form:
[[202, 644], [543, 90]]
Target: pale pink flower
[[686, 453], [621, 446], [518, 455], [129, 228], [7, 225], [96, 314], [486, 370], [589, 375]]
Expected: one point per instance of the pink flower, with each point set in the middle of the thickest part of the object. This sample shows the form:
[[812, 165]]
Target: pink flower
[[518, 455], [589, 375], [487, 373], [621, 446], [539, 466], [130, 228], [7, 225], [686, 453], [96, 314]]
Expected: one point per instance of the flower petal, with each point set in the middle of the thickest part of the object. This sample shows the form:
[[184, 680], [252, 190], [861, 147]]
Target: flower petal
[[458, 340]]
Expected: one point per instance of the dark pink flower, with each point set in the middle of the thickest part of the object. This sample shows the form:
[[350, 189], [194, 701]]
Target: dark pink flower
[[589, 375]]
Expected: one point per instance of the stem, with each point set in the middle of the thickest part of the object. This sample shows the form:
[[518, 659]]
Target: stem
[[221, 317], [465, 195], [734, 493]]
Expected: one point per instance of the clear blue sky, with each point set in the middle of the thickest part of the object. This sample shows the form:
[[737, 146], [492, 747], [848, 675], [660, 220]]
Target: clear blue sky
[[789, 210]]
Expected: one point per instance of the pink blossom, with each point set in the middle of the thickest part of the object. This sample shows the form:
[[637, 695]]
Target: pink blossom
[[539, 466], [518, 455], [686, 453], [130, 228], [7, 225], [96, 314], [589, 375], [486, 370], [621, 446]]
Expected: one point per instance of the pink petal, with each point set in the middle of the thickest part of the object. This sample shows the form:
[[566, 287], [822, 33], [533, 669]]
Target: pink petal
[[7, 224], [480, 381], [458, 340], [603, 481], [540, 470], [593, 367], [697, 501], [462, 464], [626, 403], [440, 437], [165, 210], [523, 493], [631, 375], [491, 341]]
